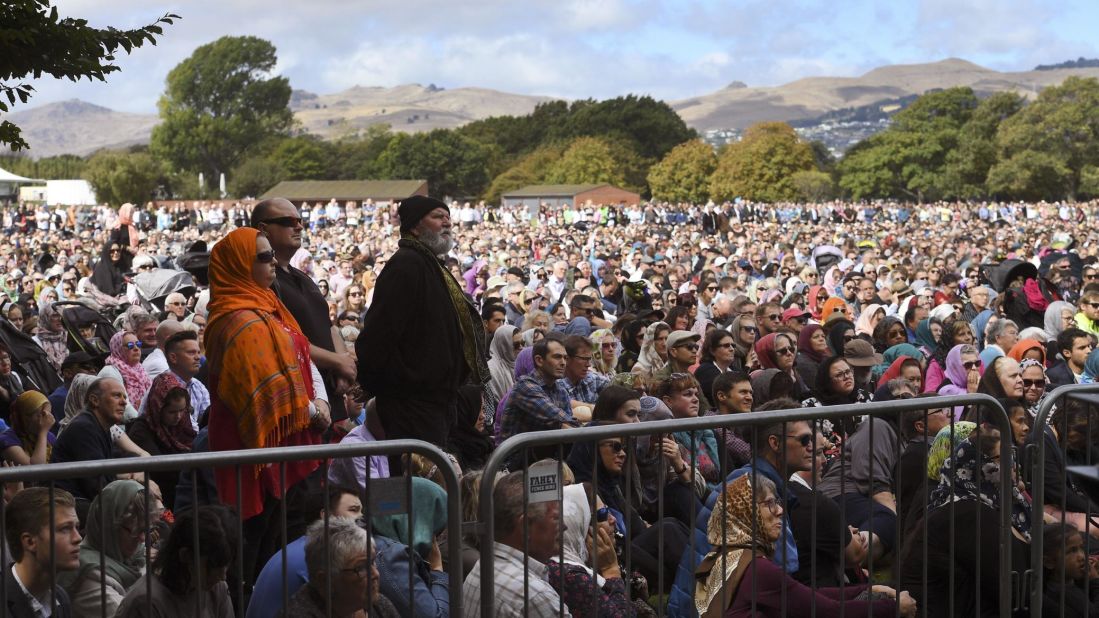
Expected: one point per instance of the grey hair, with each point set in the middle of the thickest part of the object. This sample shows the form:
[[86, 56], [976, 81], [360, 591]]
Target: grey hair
[[969, 349], [899, 385], [998, 327], [345, 538], [507, 508], [516, 287]]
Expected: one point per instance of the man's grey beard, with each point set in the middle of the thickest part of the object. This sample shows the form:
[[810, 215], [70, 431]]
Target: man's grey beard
[[435, 242]]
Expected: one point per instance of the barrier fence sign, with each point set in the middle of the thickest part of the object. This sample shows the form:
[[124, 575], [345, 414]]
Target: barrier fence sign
[[543, 482]]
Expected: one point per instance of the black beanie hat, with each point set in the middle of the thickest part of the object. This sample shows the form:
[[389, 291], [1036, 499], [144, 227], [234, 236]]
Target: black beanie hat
[[414, 208]]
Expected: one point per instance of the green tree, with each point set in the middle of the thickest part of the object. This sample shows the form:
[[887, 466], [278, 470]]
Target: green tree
[[652, 124], [120, 177], [305, 157], [37, 40], [761, 164], [587, 160], [530, 170], [356, 158], [452, 164], [813, 186], [59, 167], [1063, 125], [1029, 175], [1089, 181], [967, 165], [683, 175], [220, 104], [254, 176]]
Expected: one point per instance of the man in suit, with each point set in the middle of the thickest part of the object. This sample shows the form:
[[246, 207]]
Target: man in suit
[[1075, 345], [30, 590]]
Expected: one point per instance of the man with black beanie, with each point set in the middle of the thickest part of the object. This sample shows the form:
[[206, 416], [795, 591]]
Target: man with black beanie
[[422, 338]]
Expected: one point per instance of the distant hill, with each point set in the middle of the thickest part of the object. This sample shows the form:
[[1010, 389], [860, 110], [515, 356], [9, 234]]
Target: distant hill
[[80, 128], [816, 104], [812, 97], [1079, 63]]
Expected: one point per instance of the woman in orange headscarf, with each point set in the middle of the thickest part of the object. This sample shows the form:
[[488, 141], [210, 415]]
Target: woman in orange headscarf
[[261, 376]]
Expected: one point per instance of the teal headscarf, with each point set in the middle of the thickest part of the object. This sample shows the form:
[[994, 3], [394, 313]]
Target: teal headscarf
[[891, 355], [428, 518], [1091, 368], [924, 337]]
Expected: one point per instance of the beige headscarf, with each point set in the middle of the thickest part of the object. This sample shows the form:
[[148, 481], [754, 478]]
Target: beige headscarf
[[729, 532]]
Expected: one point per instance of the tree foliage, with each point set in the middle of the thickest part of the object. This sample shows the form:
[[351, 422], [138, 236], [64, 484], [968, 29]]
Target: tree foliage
[[219, 104], [37, 40], [587, 160], [530, 170], [452, 164], [813, 185], [967, 166], [761, 165], [120, 177], [683, 175], [254, 176], [60, 167]]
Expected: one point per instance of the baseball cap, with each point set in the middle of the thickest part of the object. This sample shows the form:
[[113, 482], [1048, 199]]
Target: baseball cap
[[794, 312], [859, 353]]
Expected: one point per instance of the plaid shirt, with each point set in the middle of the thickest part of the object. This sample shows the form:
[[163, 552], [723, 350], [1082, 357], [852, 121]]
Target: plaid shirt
[[534, 406], [586, 390], [541, 600]]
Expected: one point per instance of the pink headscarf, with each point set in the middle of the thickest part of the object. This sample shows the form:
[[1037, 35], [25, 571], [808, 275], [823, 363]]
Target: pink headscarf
[[134, 378]]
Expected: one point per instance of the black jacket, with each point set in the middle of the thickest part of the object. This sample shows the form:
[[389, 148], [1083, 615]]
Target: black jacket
[[411, 343], [1060, 375], [19, 607]]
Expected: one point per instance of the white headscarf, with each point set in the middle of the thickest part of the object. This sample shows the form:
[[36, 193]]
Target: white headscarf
[[501, 366], [576, 516]]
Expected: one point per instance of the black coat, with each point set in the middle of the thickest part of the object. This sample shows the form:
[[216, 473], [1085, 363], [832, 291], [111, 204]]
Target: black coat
[[411, 343], [20, 607]]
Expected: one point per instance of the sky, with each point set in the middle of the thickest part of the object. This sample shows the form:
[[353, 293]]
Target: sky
[[670, 49]]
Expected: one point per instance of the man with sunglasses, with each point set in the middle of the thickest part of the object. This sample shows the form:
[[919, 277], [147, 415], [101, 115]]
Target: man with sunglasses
[[281, 223], [1087, 319]]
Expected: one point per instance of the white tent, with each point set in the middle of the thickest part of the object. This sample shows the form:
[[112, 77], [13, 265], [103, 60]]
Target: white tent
[[9, 183]]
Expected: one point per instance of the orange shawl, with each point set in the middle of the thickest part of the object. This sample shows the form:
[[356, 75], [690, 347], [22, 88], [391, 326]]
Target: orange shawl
[[259, 374]]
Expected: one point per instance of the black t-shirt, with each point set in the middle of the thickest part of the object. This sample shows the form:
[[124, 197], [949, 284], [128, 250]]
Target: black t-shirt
[[832, 537], [306, 303], [83, 440]]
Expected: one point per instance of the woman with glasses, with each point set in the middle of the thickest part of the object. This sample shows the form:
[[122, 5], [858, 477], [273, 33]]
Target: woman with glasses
[[1035, 385], [738, 578], [124, 365], [779, 351], [604, 352], [354, 299], [265, 390], [745, 334], [718, 357]]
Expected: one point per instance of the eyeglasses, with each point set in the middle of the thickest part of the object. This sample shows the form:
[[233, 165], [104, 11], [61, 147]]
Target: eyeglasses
[[360, 569], [750, 329], [133, 345], [1091, 277], [690, 346], [772, 506], [1093, 305], [843, 375], [602, 513], [784, 351], [774, 317], [616, 447], [586, 359], [971, 365], [804, 439], [284, 221], [725, 345], [265, 257], [1034, 383], [354, 294], [517, 346], [711, 288], [847, 338]]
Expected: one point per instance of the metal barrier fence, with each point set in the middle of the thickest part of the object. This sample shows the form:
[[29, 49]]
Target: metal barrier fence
[[1065, 416], [517, 451], [371, 495]]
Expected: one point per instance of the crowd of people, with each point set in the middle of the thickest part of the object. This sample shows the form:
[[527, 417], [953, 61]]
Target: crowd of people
[[465, 325]]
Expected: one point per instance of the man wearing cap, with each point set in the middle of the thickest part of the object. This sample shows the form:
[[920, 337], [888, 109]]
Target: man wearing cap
[[795, 319], [422, 339], [860, 354]]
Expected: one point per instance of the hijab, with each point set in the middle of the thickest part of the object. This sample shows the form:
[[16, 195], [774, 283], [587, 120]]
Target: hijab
[[501, 366], [862, 325], [23, 409], [428, 508], [470, 446], [576, 516], [1091, 368], [979, 324], [524, 362], [734, 329], [955, 372], [925, 338], [1025, 345], [831, 305], [177, 438], [134, 376], [649, 360], [1052, 321], [943, 443], [814, 292], [74, 401], [52, 341], [109, 512], [765, 351], [890, 357], [805, 345], [972, 475], [730, 534], [585, 457], [835, 335]]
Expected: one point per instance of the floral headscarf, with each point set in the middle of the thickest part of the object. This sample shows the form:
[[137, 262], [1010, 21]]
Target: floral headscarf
[[180, 436], [972, 475], [730, 533], [649, 360], [943, 443], [605, 366], [52, 341], [134, 377]]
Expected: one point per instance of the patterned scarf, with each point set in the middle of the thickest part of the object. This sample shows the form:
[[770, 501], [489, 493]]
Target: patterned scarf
[[730, 533], [473, 342], [972, 475], [134, 378], [180, 436]]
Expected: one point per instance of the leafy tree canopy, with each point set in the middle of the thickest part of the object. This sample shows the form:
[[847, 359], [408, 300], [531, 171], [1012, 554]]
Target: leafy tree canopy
[[683, 175], [761, 165]]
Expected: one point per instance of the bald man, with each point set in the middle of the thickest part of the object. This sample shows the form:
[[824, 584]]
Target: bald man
[[157, 363]]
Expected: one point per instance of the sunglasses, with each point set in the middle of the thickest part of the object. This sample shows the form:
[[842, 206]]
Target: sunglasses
[[284, 221], [804, 440], [1091, 277], [690, 346], [265, 257], [602, 513], [616, 447], [774, 317], [784, 351], [971, 365], [1034, 383], [750, 329], [1092, 305], [133, 345]]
